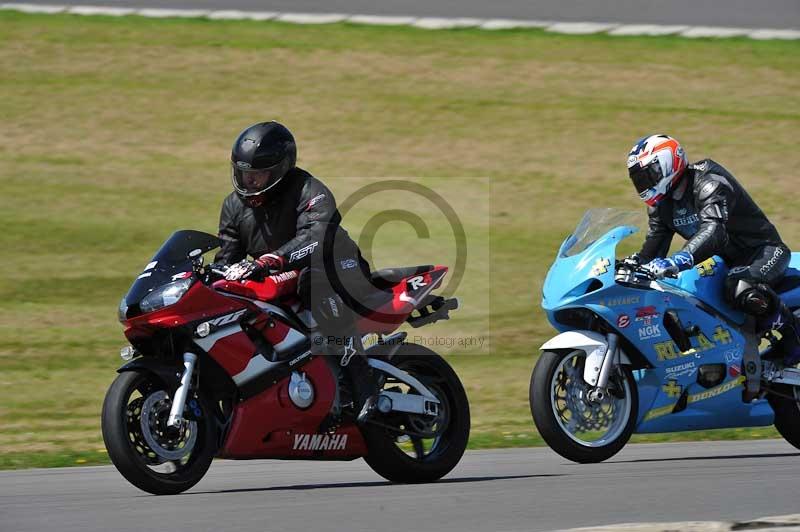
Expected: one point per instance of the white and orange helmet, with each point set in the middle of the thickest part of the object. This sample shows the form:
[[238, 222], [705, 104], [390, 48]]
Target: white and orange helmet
[[655, 165]]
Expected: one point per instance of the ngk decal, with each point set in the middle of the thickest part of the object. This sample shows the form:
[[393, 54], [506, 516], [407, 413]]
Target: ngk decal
[[224, 320], [320, 442]]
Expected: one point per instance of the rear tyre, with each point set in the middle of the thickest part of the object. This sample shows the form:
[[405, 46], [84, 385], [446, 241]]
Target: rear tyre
[[149, 457], [787, 413], [415, 459], [576, 428]]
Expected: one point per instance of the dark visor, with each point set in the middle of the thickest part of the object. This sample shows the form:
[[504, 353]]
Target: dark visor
[[645, 177], [251, 182]]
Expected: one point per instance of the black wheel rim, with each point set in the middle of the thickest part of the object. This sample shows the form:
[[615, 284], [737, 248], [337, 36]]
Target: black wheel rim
[[160, 451], [424, 438]]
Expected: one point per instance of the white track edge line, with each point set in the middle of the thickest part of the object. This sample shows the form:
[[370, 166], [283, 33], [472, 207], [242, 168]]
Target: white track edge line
[[429, 23]]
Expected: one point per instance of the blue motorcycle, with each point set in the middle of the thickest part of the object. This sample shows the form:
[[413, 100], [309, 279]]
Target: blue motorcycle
[[636, 354]]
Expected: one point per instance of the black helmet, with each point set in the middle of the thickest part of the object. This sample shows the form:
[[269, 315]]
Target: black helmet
[[261, 156]]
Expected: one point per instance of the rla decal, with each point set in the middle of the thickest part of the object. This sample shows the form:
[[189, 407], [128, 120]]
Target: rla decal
[[320, 442], [669, 350]]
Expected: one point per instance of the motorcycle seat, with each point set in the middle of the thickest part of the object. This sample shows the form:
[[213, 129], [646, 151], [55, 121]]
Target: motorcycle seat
[[387, 278]]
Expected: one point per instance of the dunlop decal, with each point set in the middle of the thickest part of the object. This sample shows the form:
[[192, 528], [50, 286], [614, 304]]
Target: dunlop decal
[[695, 398]]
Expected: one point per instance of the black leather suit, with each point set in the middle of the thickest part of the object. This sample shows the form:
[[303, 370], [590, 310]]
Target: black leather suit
[[717, 216], [299, 222]]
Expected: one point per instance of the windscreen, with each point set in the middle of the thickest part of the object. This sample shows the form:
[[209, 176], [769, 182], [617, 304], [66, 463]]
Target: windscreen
[[596, 223], [172, 258]]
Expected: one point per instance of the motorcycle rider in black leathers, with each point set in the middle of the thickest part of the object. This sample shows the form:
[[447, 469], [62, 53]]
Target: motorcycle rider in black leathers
[[704, 204], [287, 220]]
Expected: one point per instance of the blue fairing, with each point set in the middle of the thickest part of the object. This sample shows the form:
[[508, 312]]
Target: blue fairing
[[583, 277]]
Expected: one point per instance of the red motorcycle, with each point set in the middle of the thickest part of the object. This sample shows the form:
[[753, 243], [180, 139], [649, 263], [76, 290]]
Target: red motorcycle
[[227, 369]]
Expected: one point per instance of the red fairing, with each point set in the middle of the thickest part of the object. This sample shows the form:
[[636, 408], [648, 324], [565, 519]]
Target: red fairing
[[199, 303], [270, 426], [233, 352], [408, 295], [272, 287], [274, 331]]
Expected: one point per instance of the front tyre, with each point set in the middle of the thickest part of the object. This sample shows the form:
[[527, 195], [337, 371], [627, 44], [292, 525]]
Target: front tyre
[[411, 448], [578, 429], [154, 459], [787, 412]]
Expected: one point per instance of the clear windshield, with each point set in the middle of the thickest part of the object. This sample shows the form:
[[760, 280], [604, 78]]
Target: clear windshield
[[596, 223]]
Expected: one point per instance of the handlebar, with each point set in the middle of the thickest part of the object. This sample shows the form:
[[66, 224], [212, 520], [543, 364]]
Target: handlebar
[[216, 271], [631, 271]]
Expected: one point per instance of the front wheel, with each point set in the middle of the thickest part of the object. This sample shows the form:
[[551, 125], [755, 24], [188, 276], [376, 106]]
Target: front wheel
[[787, 412], [149, 456], [413, 448], [574, 426]]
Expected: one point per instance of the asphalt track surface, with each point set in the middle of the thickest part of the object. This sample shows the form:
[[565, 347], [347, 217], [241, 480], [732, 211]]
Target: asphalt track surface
[[503, 490], [781, 14]]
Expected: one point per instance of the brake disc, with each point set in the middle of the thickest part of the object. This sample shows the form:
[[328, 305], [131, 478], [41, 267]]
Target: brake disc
[[155, 411]]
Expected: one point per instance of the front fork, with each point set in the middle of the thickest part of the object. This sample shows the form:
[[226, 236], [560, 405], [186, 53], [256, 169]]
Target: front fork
[[175, 419], [610, 360]]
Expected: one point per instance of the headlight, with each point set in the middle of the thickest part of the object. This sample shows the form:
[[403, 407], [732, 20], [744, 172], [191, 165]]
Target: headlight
[[166, 295], [122, 311]]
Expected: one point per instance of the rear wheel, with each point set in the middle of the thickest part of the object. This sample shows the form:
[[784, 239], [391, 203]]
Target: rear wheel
[[574, 426], [787, 412], [149, 456], [413, 448]]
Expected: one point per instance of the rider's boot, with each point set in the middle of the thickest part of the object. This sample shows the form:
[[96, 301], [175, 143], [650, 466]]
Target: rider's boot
[[362, 377], [785, 322], [321, 347]]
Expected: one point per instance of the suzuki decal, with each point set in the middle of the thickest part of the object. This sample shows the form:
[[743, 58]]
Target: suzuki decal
[[686, 369], [647, 315]]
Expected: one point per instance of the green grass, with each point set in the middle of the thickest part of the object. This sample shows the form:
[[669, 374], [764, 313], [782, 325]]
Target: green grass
[[114, 132]]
